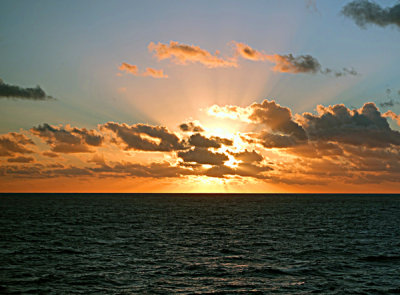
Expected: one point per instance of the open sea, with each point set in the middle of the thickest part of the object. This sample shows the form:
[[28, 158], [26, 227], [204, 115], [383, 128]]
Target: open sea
[[199, 244]]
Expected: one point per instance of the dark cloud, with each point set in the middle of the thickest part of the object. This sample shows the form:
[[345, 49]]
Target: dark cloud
[[191, 127], [13, 143], [343, 72], [337, 123], [199, 140], [243, 169], [248, 157], [153, 170], [299, 64], [21, 159], [289, 63], [12, 91], [50, 154], [203, 156], [68, 140], [389, 103], [277, 118], [145, 137], [364, 12], [271, 140]]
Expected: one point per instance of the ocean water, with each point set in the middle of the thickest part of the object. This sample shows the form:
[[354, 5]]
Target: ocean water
[[199, 244]]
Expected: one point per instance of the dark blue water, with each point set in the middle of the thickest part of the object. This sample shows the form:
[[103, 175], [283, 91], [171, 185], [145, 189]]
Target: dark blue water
[[199, 244]]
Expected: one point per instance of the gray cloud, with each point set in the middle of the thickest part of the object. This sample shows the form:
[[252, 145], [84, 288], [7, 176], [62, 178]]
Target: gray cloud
[[145, 137], [248, 157], [364, 12], [366, 126], [203, 156], [71, 140], [21, 159], [288, 63], [12, 91], [12, 143], [277, 118], [243, 169], [190, 127], [199, 140]]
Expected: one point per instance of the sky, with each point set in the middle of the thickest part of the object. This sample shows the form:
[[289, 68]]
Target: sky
[[200, 96]]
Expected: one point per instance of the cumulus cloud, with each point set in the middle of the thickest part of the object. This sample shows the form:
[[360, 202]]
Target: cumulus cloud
[[288, 63], [149, 72], [68, 140], [191, 127], [334, 144], [365, 126], [17, 92], [144, 137], [277, 118], [203, 156], [183, 54], [365, 12], [13, 143], [199, 140]]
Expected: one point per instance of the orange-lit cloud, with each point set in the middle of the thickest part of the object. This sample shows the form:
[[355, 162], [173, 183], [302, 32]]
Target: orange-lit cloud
[[182, 54], [393, 116], [288, 63], [337, 145], [134, 70]]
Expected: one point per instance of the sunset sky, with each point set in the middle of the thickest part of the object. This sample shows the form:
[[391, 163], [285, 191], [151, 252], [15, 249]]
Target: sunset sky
[[200, 96]]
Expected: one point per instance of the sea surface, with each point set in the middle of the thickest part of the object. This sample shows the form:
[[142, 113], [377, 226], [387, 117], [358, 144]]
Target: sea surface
[[199, 244]]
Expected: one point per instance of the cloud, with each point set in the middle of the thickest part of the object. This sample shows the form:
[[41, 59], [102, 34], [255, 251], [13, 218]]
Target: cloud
[[150, 72], [12, 91], [288, 63], [389, 103], [203, 156], [152, 170], [277, 118], [21, 159], [191, 127], [145, 137], [68, 140], [199, 140], [243, 169], [183, 54], [364, 12], [365, 126], [248, 157], [13, 143], [393, 116], [50, 154]]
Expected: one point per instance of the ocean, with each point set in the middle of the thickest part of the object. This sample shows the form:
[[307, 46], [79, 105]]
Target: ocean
[[199, 244]]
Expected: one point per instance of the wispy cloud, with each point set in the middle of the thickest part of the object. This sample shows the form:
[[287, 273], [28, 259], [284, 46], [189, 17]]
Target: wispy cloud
[[289, 63], [149, 72], [183, 54]]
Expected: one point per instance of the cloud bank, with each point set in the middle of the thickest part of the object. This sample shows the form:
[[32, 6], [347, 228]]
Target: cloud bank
[[334, 144]]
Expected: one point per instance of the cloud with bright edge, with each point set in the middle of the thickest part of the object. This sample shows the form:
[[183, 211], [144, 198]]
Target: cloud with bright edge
[[334, 144]]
